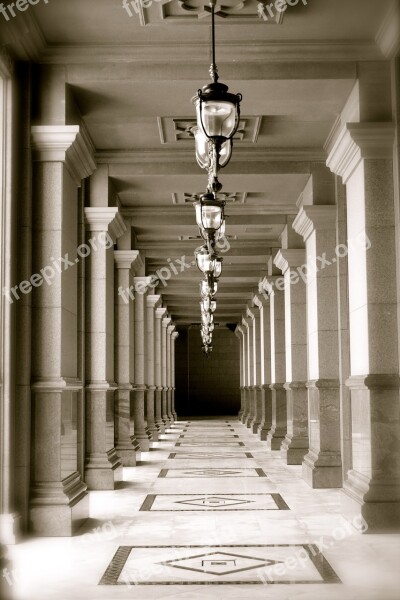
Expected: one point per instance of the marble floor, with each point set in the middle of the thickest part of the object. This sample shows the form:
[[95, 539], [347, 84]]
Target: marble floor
[[210, 513]]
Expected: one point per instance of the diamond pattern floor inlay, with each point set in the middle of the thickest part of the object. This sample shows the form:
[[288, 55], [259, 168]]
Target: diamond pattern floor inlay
[[210, 473], [205, 508], [219, 455], [179, 502], [196, 565]]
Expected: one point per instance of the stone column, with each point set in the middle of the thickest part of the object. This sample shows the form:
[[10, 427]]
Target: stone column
[[246, 410], [248, 322], [175, 335], [125, 446], [164, 410], [159, 315], [153, 302], [103, 466], [262, 301], [239, 335], [170, 330], [295, 444], [59, 502], [257, 399], [278, 430], [363, 156], [322, 465], [140, 388]]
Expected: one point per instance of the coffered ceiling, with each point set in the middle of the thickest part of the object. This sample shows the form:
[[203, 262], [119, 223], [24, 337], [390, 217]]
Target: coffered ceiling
[[133, 78]]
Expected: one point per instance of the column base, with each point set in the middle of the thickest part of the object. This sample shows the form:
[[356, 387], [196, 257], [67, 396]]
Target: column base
[[10, 528], [59, 509], [371, 507], [293, 450], [160, 426], [278, 430], [127, 455], [263, 431], [143, 441], [103, 470], [295, 445], [152, 433], [323, 470]]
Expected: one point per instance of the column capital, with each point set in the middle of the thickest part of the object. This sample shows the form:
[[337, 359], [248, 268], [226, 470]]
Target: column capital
[[245, 323], [153, 300], [124, 259], [268, 284], [175, 335], [239, 331], [259, 300], [170, 329], [358, 141], [285, 259], [68, 144], [161, 312], [253, 312], [322, 217], [105, 218], [166, 321]]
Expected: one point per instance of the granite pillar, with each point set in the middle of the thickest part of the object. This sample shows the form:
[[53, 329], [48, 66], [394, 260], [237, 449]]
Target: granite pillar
[[153, 302], [362, 155], [159, 315], [126, 446], [322, 467], [295, 445]]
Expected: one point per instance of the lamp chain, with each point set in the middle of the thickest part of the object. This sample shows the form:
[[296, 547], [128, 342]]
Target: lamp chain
[[213, 67]]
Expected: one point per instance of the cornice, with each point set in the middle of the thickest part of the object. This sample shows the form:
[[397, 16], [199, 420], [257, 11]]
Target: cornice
[[358, 141], [125, 258], [250, 50], [313, 217], [68, 144], [105, 218], [285, 259], [388, 36], [172, 155]]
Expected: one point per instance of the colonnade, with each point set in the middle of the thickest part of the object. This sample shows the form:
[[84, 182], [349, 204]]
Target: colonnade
[[319, 339], [94, 369]]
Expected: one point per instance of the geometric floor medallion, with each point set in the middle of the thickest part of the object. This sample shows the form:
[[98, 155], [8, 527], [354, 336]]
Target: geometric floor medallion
[[213, 502], [220, 564]]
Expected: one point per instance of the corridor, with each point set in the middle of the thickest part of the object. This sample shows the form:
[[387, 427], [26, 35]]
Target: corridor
[[209, 513]]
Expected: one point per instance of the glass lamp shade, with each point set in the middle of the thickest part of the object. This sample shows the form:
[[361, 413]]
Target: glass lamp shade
[[209, 213], [221, 231], [207, 318], [217, 267], [205, 261], [205, 304], [203, 150], [217, 111], [206, 290]]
